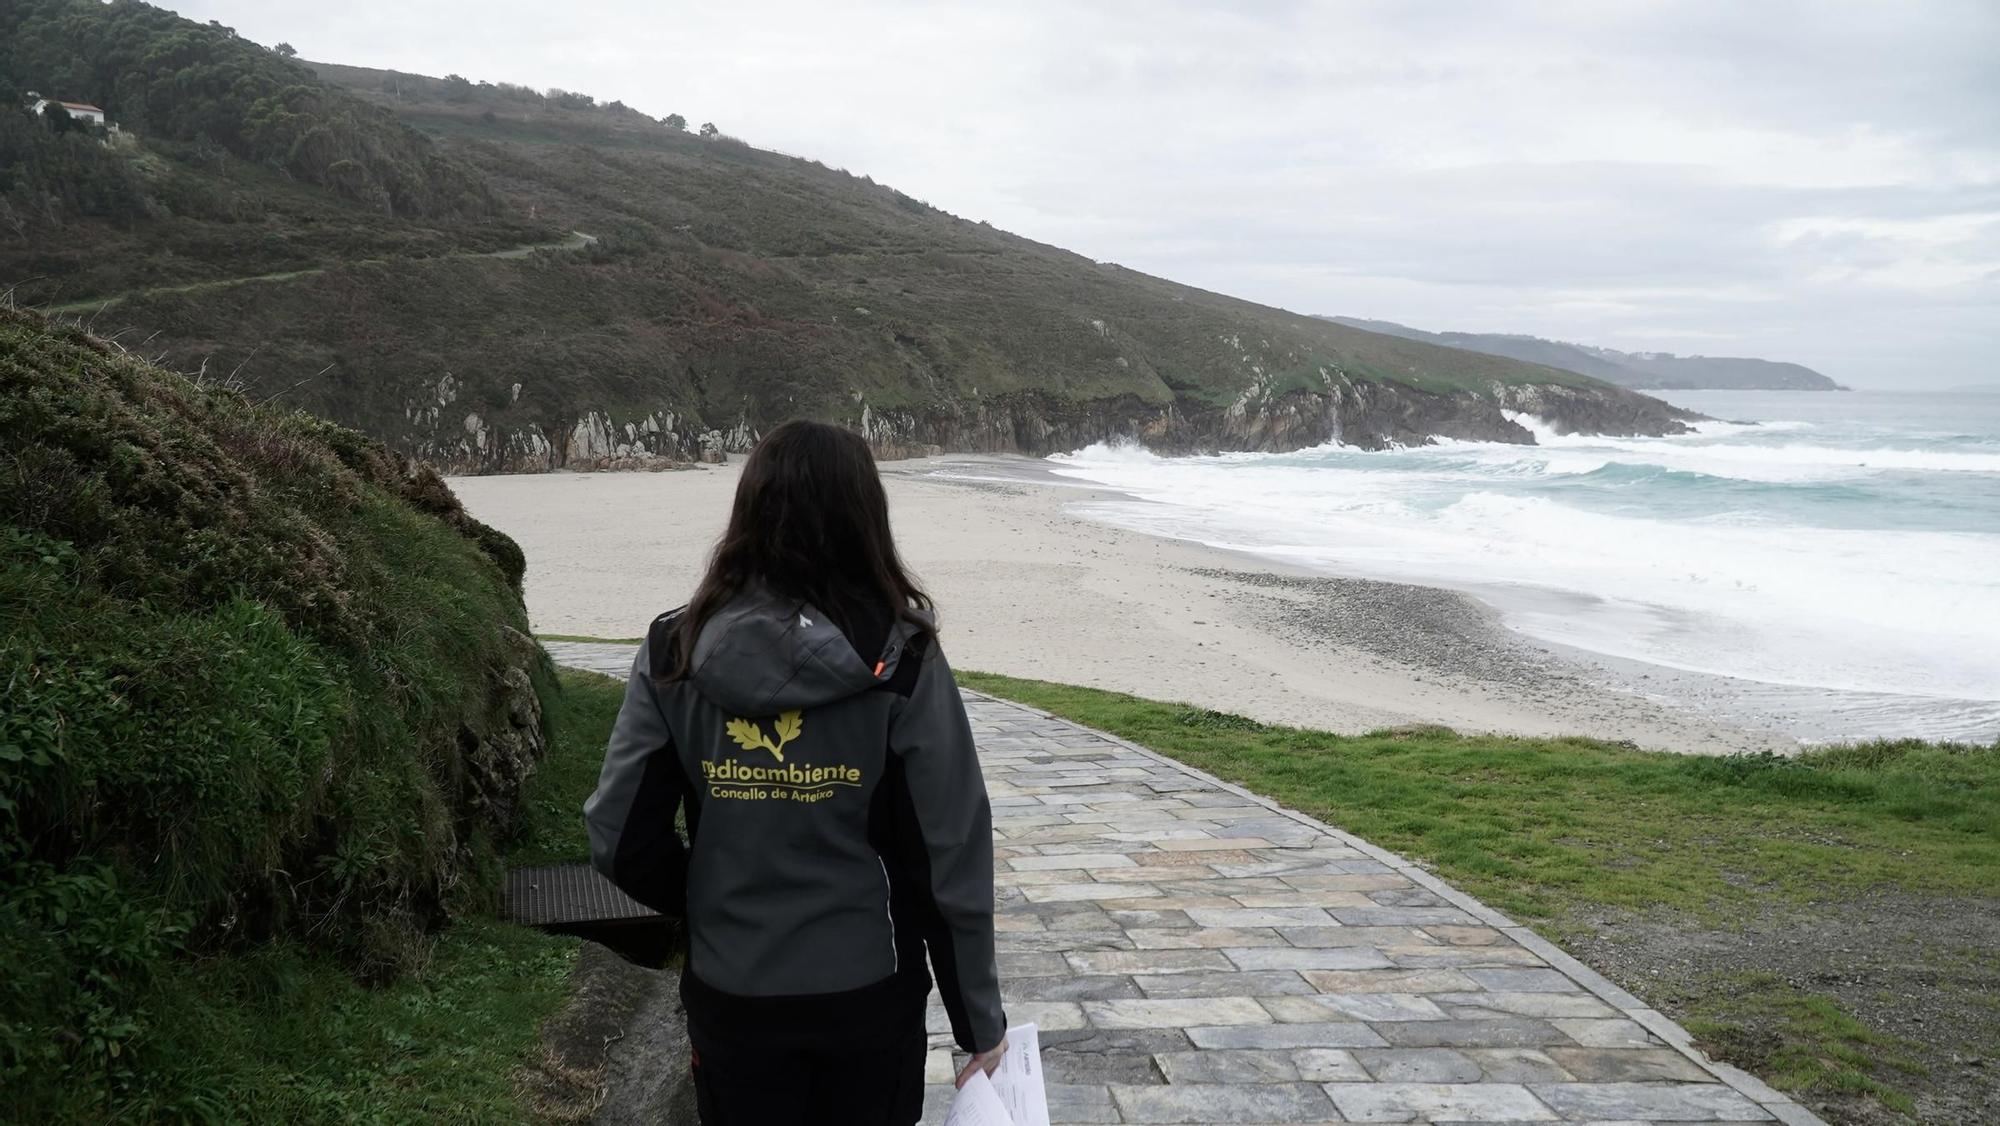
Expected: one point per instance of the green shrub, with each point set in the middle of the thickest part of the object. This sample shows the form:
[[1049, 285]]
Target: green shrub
[[259, 678]]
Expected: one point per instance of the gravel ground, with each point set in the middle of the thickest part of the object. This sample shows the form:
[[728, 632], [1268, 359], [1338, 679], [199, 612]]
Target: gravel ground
[[1452, 639], [1424, 627], [1924, 969]]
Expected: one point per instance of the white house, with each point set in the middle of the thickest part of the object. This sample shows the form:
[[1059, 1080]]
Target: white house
[[81, 111]]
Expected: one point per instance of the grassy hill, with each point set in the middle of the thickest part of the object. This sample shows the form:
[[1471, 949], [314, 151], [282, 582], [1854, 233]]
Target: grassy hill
[[727, 288], [1637, 370], [237, 161], [264, 686]]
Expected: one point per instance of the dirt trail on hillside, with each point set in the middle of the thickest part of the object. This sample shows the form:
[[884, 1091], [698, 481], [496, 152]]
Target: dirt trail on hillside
[[576, 240]]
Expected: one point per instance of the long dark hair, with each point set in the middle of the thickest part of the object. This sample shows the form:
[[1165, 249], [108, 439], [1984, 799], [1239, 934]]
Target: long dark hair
[[810, 521]]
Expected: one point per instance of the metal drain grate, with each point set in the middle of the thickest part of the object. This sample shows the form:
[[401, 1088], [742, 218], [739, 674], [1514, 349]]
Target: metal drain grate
[[567, 895]]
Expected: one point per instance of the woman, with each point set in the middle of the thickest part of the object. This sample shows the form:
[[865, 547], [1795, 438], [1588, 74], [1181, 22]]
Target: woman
[[800, 713]]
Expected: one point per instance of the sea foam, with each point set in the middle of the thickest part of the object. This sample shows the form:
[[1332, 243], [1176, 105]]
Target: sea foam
[[1726, 551]]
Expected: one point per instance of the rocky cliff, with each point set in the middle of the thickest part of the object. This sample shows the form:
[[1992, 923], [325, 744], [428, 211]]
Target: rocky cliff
[[1362, 413]]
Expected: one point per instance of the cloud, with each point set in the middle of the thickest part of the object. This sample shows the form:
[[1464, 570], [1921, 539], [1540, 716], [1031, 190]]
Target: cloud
[[1816, 181]]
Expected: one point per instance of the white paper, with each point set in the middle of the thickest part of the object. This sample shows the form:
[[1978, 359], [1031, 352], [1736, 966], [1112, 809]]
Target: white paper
[[1018, 1079], [977, 1104], [1014, 1096]]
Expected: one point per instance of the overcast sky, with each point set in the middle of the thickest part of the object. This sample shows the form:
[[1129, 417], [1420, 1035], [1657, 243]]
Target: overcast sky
[[1817, 182]]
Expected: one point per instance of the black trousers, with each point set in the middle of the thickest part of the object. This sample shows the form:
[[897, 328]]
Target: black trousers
[[787, 1065]]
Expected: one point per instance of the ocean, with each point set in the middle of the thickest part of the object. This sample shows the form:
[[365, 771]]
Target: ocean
[[1826, 563]]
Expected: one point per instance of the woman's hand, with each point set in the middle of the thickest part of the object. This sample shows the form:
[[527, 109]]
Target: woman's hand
[[985, 1061]]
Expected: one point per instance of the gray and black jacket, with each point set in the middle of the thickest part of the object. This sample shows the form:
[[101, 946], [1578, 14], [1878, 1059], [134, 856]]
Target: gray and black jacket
[[837, 822]]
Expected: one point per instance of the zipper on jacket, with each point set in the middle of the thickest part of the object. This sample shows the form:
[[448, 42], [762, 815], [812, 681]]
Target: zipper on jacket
[[889, 909]]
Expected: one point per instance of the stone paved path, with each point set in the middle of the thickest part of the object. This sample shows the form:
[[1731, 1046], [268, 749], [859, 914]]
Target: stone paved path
[[1193, 953]]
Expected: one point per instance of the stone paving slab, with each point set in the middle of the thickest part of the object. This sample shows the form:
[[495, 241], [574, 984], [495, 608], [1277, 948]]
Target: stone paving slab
[[1194, 953]]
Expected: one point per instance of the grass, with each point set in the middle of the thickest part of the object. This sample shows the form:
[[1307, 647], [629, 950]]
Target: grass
[[1539, 827], [581, 716], [1814, 1046], [1561, 832], [283, 1034]]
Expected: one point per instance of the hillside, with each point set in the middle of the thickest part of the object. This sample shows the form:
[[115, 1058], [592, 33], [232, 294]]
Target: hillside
[[1645, 371], [236, 161], [727, 288], [263, 684]]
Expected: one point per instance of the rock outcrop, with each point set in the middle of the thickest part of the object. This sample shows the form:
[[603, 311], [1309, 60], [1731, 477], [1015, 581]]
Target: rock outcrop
[[1366, 414], [617, 1054]]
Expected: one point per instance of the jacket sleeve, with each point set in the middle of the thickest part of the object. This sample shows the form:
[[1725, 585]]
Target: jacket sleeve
[[633, 841], [954, 853]]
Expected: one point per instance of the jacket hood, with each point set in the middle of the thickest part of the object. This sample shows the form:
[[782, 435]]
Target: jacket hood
[[762, 654]]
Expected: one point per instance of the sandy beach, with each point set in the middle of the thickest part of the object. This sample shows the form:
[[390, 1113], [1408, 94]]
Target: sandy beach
[[1026, 588]]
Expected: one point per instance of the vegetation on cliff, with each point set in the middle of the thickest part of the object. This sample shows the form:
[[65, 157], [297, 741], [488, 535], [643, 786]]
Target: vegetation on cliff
[[729, 288], [262, 683]]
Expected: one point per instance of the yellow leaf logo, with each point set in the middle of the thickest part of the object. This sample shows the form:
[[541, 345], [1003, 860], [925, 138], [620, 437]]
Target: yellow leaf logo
[[746, 734], [788, 726], [749, 735]]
